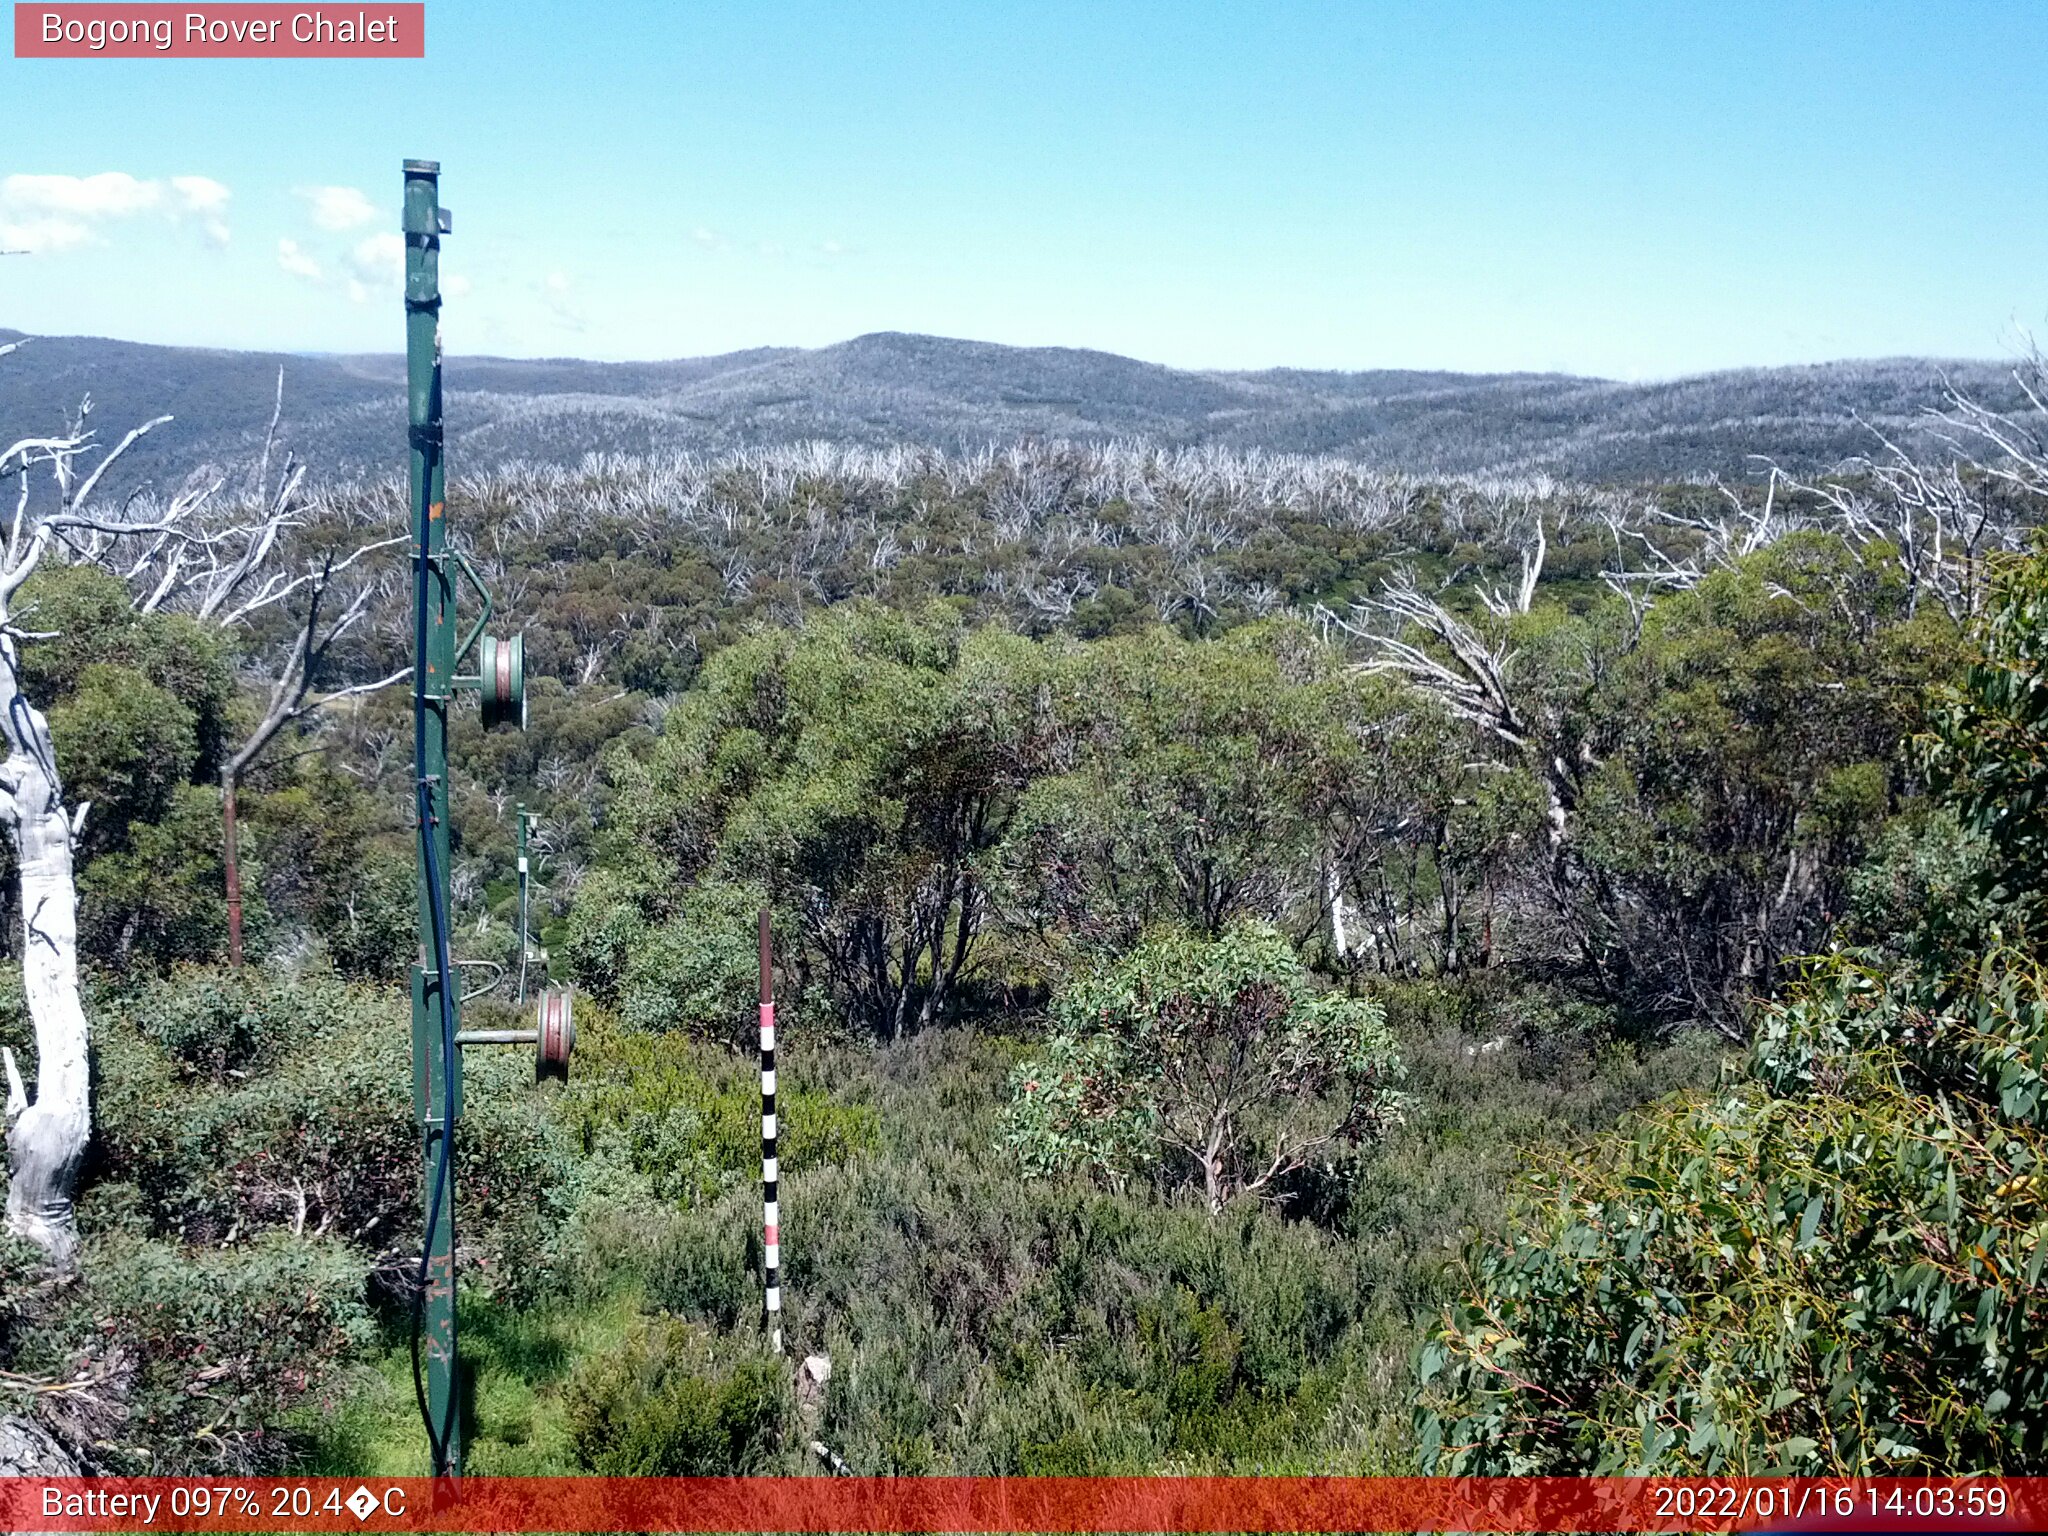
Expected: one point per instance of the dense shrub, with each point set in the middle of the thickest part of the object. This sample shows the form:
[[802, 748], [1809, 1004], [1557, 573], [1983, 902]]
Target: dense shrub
[[218, 1021], [320, 1135], [86, 621], [1214, 798], [665, 1404], [196, 1356], [1837, 1268], [327, 865], [706, 1266], [700, 970], [688, 1118], [1050, 1328], [1987, 746], [126, 745], [139, 706], [854, 771], [161, 899], [373, 934]]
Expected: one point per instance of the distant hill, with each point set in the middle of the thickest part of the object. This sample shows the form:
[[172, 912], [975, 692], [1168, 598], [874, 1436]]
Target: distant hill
[[347, 413]]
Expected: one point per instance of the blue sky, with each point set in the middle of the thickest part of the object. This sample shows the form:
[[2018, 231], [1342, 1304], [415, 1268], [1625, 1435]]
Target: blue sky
[[1637, 190]]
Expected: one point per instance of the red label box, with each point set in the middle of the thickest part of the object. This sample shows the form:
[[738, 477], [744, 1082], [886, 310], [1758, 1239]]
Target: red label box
[[391, 1506], [368, 29]]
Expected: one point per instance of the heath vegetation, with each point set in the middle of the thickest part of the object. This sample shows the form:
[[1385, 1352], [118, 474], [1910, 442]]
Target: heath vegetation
[[1283, 967]]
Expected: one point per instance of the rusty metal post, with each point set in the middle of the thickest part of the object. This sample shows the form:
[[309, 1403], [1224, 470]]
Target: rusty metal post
[[231, 850]]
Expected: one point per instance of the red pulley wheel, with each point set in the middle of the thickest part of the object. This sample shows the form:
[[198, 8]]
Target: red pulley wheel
[[557, 1035]]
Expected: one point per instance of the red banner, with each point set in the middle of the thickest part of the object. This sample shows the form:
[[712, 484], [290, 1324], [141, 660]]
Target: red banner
[[1018, 1504], [116, 31]]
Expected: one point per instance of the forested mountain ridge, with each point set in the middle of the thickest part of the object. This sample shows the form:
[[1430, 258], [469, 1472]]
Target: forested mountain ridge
[[345, 413]]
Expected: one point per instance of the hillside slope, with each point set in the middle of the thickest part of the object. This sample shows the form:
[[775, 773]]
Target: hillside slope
[[346, 412]]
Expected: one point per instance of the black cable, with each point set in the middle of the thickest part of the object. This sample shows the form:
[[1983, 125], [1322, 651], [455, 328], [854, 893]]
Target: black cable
[[438, 921], [436, 1443]]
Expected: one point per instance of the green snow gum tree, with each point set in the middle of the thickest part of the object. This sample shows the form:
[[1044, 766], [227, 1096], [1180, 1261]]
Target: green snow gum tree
[[1215, 1058], [1835, 1264]]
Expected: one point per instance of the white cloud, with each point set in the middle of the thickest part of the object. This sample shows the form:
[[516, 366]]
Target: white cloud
[[207, 200], [201, 194], [378, 260], [107, 195], [456, 286], [360, 268], [55, 213], [341, 208], [39, 237], [296, 261], [710, 239]]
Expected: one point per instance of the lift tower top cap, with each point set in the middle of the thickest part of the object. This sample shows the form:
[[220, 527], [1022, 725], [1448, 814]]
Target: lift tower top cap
[[422, 167]]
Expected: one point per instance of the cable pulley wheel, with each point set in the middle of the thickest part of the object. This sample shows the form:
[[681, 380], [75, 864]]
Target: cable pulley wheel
[[556, 1035], [502, 669]]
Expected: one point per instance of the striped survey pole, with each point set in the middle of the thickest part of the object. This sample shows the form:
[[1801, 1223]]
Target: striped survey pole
[[771, 1219]]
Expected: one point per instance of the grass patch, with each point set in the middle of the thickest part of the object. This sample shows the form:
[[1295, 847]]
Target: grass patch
[[518, 1361]]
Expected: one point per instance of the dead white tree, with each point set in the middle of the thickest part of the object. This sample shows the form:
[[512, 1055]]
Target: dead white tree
[[1674, 551], [1412, 635], [1333, 897], [2009, 448], [228, 569], [293, 697], [1942, 519], [1467, 669], [47, 1135], [1499, 603]]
